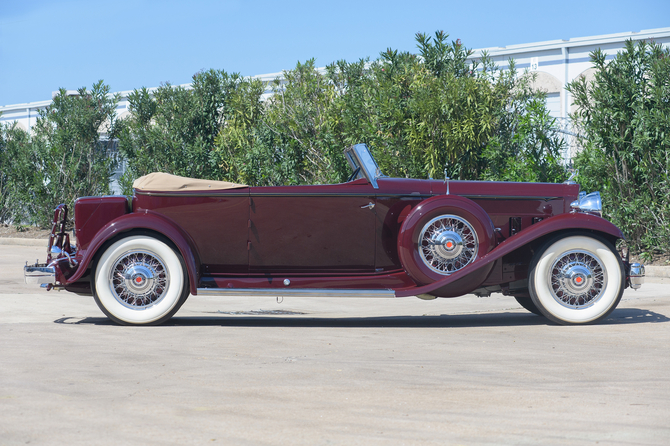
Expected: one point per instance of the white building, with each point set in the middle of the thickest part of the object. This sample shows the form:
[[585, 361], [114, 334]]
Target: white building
[[558, 62]]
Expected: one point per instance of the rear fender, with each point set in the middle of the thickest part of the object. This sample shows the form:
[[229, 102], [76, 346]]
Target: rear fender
[[148, 221], [550, 226]]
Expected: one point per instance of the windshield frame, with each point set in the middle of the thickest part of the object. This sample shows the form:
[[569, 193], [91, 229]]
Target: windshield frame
[[359, 156]]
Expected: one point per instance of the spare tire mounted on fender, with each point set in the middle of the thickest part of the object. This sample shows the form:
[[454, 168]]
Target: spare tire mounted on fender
[[443, 235]]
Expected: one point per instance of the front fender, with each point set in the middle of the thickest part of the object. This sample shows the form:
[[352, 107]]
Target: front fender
[[559, 223], [146, 220]]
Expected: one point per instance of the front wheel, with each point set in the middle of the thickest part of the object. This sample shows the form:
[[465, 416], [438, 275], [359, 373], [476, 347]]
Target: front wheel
[[140, 280], [576, 279]]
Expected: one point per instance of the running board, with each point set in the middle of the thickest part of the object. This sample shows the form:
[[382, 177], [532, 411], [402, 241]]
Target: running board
[[296, 292]]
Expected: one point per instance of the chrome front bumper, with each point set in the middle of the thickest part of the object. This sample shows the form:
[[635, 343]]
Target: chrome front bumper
[[636, 275], [39, 274]]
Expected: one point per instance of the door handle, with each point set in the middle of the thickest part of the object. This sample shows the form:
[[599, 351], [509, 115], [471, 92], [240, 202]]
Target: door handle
[[370, 205]]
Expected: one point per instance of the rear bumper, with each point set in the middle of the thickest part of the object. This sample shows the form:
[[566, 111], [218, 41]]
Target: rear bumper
[[39, 274], [636, 275], [60, 263]]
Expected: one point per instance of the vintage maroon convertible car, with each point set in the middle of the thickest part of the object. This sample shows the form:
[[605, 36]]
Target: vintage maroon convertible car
[[373, 236]]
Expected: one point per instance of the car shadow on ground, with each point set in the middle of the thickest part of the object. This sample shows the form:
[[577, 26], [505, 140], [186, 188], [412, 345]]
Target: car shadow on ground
[[258, 318]]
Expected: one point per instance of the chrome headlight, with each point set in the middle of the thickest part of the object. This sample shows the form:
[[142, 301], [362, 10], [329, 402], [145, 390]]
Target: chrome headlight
[[588, 203]]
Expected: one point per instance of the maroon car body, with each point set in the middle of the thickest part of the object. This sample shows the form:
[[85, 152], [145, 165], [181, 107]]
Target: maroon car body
[[371, 236]]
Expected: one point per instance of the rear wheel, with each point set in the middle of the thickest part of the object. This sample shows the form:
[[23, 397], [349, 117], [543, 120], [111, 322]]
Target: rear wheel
[[140, 280], [527, 303], [576, 279]]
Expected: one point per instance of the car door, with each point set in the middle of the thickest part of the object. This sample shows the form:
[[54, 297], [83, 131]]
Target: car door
[[312, 229]]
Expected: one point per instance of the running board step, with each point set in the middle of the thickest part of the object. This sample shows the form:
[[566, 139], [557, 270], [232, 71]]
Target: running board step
[[296, 292]]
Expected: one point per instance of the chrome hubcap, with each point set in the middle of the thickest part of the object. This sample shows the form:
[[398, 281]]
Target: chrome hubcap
[[138, 279], [447, 244], [577, 279]]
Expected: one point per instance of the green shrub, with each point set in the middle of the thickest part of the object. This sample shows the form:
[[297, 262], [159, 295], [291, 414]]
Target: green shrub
[[64, 158], [625, 117]]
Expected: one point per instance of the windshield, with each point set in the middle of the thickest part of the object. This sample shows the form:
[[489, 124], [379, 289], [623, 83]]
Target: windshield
[[363, 165], [369, 162]]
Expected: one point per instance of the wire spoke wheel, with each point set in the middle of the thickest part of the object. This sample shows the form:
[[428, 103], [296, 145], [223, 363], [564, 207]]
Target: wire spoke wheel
[[577, 279], [138, 279], [448, 243]]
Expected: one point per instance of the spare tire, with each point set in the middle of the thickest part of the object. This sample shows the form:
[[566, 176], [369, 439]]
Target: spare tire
[[443, 235]]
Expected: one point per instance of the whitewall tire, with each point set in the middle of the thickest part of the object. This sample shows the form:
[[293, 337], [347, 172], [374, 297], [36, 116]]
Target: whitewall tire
[[576, 279], [140, 280]]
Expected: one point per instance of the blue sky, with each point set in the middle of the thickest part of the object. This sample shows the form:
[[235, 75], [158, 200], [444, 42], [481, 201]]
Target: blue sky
[[48, 44]]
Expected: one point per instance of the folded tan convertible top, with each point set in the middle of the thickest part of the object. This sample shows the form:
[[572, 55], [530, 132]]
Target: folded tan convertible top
[[159, 181]]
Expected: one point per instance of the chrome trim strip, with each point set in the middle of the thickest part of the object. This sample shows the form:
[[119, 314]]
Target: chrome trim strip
[[38, 275], [296, 292]]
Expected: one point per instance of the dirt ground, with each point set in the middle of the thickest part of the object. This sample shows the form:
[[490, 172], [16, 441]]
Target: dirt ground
[[658, 260], [11, 231]]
